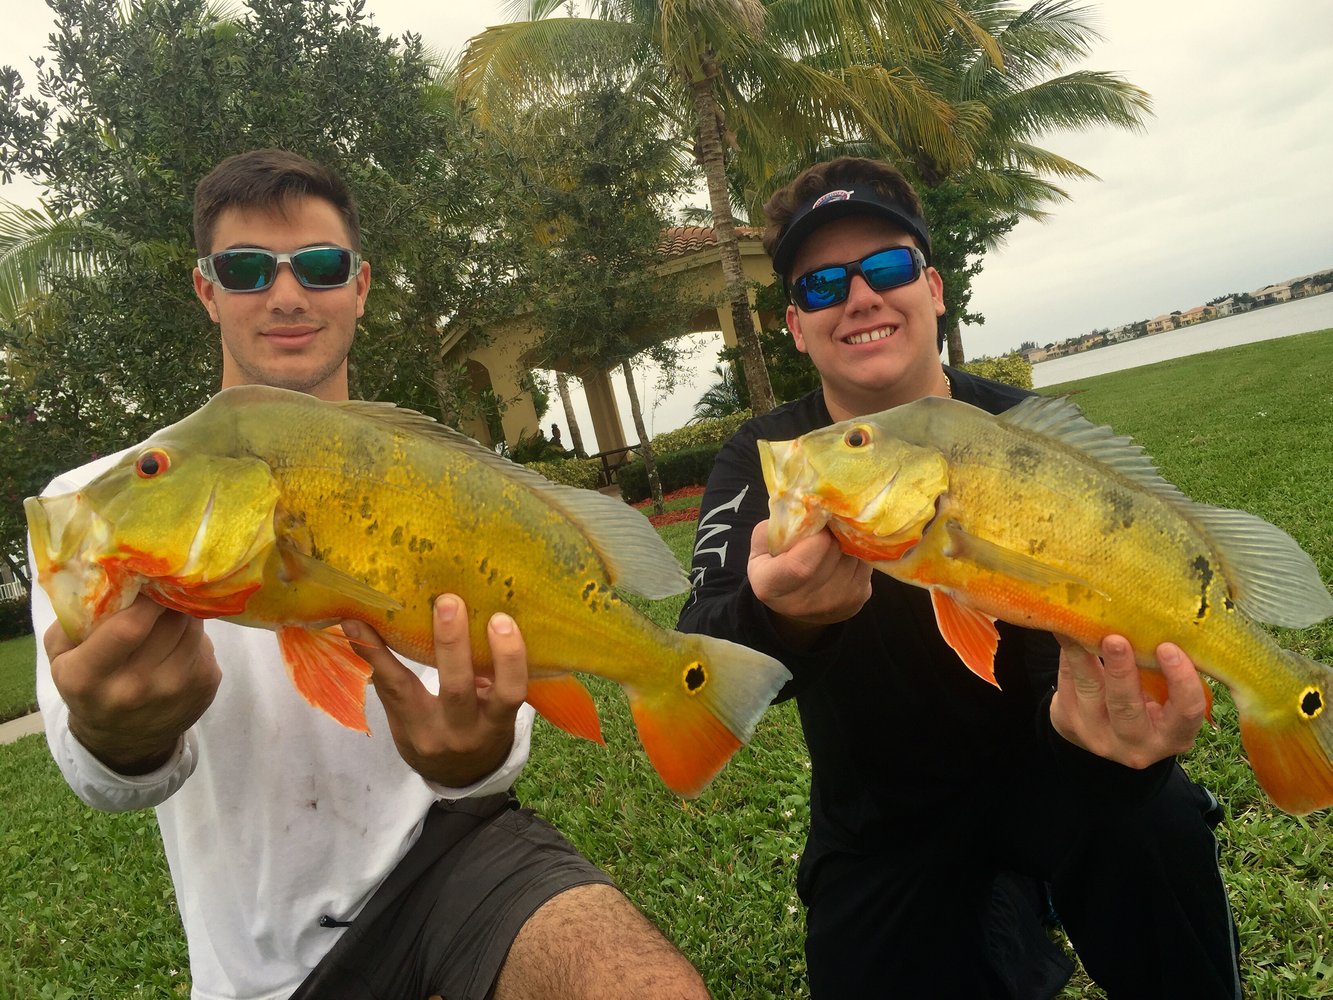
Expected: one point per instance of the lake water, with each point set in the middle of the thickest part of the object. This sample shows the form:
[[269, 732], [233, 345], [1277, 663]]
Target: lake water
[[1268, 323]]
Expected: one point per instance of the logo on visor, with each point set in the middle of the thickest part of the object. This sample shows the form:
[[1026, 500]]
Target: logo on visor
[[831, 197]]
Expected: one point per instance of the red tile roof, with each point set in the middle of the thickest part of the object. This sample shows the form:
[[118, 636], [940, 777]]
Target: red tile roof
[[680, 240]]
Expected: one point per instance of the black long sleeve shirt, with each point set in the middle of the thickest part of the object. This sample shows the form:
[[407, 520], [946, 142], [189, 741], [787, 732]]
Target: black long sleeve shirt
[[897, 727]]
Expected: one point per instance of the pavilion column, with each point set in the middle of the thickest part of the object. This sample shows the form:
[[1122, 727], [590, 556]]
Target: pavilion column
[[606, 425], [519, 416]]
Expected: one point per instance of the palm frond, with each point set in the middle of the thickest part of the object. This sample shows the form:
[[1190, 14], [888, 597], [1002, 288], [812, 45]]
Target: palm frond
[[34, 245]]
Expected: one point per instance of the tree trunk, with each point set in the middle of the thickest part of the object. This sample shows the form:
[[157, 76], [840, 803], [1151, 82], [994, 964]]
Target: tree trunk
[[954, 338], [707, 119], [645, 446], [575, 435]]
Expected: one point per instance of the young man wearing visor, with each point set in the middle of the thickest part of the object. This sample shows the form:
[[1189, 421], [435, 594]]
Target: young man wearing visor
[[309, 861], [942, 807]]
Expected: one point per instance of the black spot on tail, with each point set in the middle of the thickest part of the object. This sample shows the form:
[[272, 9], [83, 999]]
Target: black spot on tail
[[695, 677], [1312, 703]]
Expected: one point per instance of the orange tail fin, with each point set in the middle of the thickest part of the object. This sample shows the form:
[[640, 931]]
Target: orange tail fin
[[709, 700], [327, 672], [563, 701], [687, 745], [1291, 746]]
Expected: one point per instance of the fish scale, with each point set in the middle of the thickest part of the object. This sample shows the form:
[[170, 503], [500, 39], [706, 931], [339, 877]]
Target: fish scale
[[320, 511], [1039, 518]]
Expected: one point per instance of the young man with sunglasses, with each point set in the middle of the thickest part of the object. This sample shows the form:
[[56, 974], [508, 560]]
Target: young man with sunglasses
[[308, 861], [941, 807]]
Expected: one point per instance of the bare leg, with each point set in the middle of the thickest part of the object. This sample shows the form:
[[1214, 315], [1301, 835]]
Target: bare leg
[[591, 943]]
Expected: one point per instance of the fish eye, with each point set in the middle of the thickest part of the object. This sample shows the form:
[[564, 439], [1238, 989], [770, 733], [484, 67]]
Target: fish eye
[[857, 437], [152, 463]]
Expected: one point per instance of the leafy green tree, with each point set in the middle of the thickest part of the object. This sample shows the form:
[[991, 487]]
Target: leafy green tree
[[138, 101], [596, 176], [728, 74]]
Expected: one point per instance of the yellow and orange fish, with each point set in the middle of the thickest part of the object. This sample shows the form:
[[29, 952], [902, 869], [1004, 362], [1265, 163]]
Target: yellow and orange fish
[[1039, 518], [274, 509]]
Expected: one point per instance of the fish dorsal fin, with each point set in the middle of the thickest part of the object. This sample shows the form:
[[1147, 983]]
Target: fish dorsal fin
[[1270, 577], [636, 558], [1056, 418]]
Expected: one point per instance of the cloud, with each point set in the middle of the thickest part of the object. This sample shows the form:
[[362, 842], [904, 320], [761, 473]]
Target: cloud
[[1223, 191]]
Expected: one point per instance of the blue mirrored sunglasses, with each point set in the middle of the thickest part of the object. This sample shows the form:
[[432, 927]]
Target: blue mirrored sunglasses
[[251, 269], [882, 270]]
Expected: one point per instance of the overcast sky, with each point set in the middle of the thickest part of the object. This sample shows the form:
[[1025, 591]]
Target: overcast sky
[[1226, 189]]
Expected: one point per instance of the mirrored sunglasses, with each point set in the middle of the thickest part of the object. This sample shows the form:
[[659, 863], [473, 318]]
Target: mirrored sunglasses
[[882, 270], [250, 269]]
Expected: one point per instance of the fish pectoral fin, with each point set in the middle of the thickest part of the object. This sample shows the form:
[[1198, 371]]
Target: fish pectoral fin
[[327, 673], [563, 701], [298, 567], [969, 633], [1009, 563]]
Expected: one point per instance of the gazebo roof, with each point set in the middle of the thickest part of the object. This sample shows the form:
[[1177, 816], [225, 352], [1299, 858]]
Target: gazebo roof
[[680, 240]]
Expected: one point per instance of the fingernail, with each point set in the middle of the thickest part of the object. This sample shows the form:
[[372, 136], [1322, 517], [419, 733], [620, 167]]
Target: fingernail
[[1168, 656], [501, 623], [352, 630], [446, 608], [1115, 646]]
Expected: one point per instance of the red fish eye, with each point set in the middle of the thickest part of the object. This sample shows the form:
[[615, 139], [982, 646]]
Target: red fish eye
[[857, 437], [152, 463]]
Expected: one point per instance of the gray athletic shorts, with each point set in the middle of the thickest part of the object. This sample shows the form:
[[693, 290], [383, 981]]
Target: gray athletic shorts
[[445, 918]]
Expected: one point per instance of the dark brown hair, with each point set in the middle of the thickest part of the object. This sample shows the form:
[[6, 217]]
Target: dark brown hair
[[843, 172], [267, 179]]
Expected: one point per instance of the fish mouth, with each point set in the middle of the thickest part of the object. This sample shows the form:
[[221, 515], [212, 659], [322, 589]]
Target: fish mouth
[[791, 514], [65, 531]]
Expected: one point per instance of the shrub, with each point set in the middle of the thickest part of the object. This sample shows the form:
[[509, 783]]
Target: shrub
[[15, 617], [535, 448], [584, 473], [677, 469], [714, 431], [1012, 369]]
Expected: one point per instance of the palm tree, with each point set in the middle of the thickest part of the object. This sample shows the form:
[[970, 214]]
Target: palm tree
[[721, 398], [1023, 98], [35, 243], [712, 66]]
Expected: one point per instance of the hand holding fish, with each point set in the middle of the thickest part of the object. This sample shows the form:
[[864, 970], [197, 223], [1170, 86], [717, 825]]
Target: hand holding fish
[[465, 732], [811, 585], [1101, 706], [138, 681]]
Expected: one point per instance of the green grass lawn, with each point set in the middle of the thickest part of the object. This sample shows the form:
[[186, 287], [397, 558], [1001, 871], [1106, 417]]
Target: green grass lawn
[[88, 904], [18, 685]]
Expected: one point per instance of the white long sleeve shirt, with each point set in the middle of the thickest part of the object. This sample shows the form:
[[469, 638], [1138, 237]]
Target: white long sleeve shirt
[[272, 814]]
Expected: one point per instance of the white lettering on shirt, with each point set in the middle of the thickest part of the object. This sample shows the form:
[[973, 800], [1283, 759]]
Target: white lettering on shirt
[[707, 532]]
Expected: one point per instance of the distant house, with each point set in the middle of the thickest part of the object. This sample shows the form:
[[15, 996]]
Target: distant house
[[1197, 315], [1271, 295], [1162, 323], [1034, 354]]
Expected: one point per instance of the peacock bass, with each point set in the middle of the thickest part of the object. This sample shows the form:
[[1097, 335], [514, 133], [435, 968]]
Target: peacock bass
[[273, 509], [1039, 518]]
